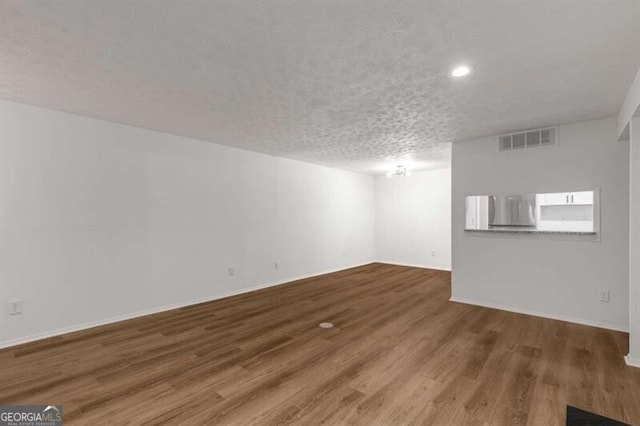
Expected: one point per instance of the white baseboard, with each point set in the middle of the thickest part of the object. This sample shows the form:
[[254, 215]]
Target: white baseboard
[[632, 362], [118, 318], [413, 265], [535, 313]]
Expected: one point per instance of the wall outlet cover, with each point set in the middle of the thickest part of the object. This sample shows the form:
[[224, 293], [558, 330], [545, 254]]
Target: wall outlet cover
[[15, 307], [604, 296]]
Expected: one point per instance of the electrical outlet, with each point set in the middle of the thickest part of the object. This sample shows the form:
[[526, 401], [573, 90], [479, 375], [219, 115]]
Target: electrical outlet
[[15, 307], [232, 271], [276, 266], [433, 253], [604, 296]]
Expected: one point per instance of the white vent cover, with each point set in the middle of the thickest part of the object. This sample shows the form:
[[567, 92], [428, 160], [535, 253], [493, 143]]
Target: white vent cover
[[528, 139]]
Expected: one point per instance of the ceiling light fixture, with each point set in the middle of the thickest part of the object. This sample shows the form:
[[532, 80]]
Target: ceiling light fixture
[[460, 71], [399, 171]]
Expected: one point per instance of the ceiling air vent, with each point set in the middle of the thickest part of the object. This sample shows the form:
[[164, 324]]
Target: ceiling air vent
[[528, 139]]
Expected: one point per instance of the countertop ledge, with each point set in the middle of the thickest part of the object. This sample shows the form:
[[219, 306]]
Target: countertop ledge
[[531, 231]]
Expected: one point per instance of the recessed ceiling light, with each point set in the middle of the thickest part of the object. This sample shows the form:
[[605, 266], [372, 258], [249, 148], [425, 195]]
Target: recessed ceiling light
[[460, 71]]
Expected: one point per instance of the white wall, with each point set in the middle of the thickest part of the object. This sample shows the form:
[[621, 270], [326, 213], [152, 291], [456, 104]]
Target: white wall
[[634, 243], [630, 108], [102, 221], [551, 276], [413, 219], [629, 130]]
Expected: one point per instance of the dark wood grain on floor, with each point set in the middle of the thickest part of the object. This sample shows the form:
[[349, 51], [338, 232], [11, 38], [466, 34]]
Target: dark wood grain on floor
[[400, 353]]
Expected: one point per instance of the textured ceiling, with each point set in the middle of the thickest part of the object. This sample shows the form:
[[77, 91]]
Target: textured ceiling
[[360, 85]]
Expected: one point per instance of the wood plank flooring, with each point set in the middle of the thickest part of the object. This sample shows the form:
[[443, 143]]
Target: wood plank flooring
[[400, 353]]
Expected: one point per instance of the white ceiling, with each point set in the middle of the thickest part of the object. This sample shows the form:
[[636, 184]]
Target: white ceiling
[[361, 85]]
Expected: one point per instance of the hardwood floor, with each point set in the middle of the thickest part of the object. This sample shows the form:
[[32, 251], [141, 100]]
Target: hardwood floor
[[400, 353]]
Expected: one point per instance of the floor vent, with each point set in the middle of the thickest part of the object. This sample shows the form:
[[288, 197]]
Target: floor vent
[[529, 139]]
